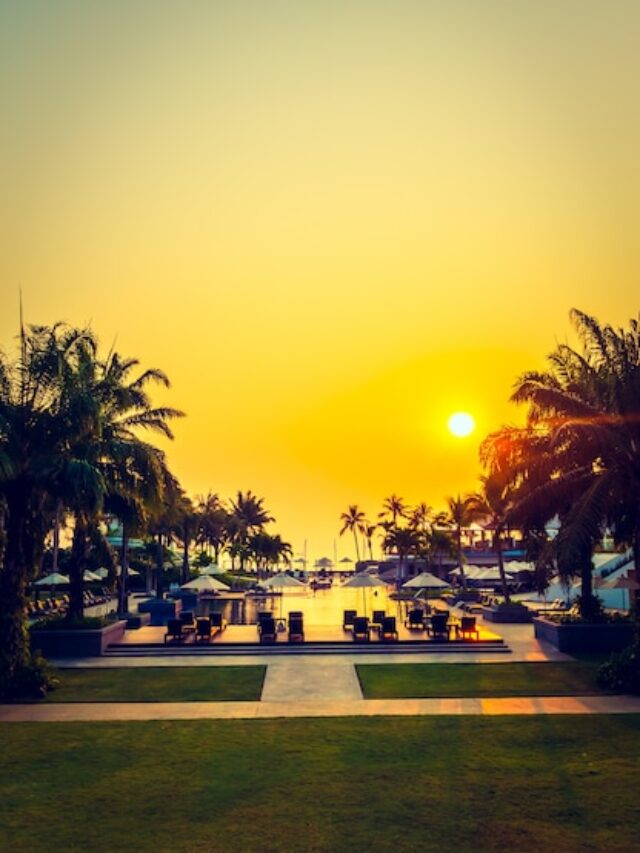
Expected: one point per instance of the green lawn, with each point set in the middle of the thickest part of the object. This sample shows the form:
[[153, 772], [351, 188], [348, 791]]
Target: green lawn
[[551, 783], [159, 684], [416, 680]]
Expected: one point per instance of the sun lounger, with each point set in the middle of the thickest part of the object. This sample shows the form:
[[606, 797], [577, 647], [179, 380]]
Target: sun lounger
[[439, 626], [217, 622], [188, 621], [377, 619], [361, 630], [415, 619], [388, 630], [467, 628], [267, 630], [174, 631], [296, 628], [348, 619], [203, 630]]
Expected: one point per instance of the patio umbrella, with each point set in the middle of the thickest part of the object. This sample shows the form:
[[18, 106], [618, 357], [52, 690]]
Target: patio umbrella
[[54, 579], [282, 581], [364, 581], [101, 573], [204, 584], [90, 577], [213, 569], [425, 580]]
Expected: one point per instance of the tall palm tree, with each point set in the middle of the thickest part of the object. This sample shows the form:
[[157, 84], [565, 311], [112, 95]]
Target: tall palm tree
[[393, 508], [404, 541], [353, 520], [461, 511], [368, 532], [251, 517], [494, 502]]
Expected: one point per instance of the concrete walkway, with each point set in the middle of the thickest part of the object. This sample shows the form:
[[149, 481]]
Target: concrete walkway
[[127, 711]]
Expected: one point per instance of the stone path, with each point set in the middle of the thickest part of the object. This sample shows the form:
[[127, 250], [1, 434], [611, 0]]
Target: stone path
[[127, 711], [295, 680]]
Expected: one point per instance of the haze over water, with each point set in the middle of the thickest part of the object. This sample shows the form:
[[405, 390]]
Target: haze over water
[[332, 224]]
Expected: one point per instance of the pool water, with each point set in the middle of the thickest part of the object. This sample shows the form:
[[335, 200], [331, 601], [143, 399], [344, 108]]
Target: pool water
[[320, 608]]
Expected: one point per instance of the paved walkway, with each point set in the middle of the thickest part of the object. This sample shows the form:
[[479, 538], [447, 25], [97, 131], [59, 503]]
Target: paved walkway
[[127, 711]]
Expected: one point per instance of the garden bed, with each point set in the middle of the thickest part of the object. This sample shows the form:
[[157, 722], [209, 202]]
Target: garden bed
[[76, 642], [575, 637], [507, 615]]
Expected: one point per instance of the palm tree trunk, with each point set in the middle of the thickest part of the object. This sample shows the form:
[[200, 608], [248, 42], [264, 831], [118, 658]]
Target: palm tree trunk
[[463, 577], [56, 538], [123, 605], [14, 635], [355, 539], [185, 558], [76, 569], [159, 567], [503, 577], [635, 609]]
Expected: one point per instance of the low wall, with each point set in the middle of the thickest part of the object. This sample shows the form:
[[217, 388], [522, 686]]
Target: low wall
[[79, 642], [576, 637], [507, 615]]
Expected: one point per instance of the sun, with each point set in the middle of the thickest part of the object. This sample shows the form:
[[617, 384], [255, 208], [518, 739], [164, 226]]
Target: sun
[[461, 424]]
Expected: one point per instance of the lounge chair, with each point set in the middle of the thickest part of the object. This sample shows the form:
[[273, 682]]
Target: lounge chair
[[388, 630], [217, 622], [203, 630], [361, 630], [188, 621], [467, 628], [267, 630], [415, 619], [348, 619], [296, 628], [174, 631], [439, 626], [378, 618]]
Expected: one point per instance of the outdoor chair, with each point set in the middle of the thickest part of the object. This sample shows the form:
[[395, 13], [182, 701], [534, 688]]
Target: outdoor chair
[[296, 628], [267, 630], [174, 630], [217, 622], [188, 621], [378, 618], [361, 631], [388, 630], [348, 619], [203, 629], [439, 626], [415, 619], [467, 628], [264, 615]]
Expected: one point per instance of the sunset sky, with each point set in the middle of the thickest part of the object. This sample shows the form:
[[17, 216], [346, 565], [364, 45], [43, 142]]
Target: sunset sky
[[331, 223]]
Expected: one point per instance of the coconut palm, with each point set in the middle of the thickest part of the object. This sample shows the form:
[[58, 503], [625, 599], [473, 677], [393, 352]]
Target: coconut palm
[[393, 508], [353, 520], [494, 502], [403, 541], [250, 517], [461, 511]]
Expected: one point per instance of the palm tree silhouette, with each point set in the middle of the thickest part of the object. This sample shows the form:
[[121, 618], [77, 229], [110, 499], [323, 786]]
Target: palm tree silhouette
[[354, 520]]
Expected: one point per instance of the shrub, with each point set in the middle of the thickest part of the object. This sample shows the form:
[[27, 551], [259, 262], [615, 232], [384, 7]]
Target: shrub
[[622, 671], [61, 623], [31, 681]]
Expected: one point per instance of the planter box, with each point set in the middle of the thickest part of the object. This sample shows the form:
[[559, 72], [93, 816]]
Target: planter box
[[508, 615], [160, 609], [79, 642], [612, 637]]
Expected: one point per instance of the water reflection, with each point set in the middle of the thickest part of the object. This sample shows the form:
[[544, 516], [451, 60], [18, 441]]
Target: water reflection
[[322, 607]]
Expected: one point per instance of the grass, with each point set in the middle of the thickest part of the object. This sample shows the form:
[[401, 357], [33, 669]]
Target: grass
[[160, 684], [405, 784], [414, 680]]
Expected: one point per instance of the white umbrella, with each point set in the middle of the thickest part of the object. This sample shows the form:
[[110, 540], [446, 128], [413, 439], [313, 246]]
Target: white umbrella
[[364, 580], [54, 579], [425, 580], [213, 569], [90, 577], [280, 581], [101, 573], [204, 584]]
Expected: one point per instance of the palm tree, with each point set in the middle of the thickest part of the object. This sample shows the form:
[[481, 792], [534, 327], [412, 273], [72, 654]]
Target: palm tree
[[494, 503], [39, 430], [404, 541], [354, 520], [368, 531], [393, 508], [250, 517], [461, 512]]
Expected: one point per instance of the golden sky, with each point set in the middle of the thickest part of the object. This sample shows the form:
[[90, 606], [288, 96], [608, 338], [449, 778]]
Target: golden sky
[[332, 223]]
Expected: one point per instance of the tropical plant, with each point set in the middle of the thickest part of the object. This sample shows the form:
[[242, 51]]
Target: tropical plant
[[353, 520], [393, 508], [461, 511], [494, 502], [403, 541]]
